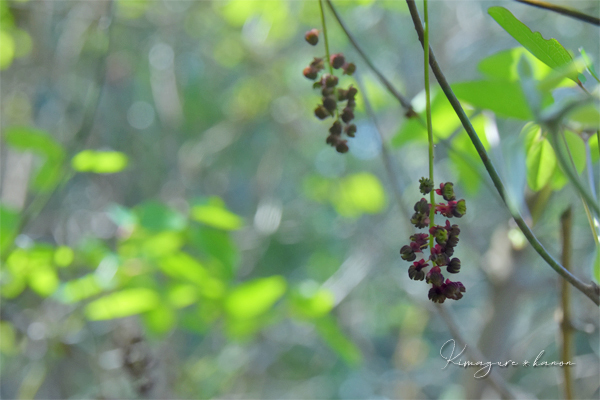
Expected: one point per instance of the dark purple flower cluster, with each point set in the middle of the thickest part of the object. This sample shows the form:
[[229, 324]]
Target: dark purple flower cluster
[[446, 239], [331, 95]]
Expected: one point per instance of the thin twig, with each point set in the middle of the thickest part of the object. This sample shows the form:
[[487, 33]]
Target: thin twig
[[403, 100], [591, 290], [385, 153], [569, 12], [566, 328]]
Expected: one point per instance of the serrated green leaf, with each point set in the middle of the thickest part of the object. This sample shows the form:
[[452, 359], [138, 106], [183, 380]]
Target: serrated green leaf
[[99, 162], [503, 98], [549, 51], [540, 162], [122, 304]]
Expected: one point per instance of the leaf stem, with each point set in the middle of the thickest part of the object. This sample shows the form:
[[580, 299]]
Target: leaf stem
[[569, 12], [428, 117], [591, 290]]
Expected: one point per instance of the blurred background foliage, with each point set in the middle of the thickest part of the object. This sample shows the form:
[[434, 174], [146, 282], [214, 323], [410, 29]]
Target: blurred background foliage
[[174, 226]]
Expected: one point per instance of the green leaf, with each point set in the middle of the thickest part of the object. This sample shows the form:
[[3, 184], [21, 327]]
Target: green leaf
[[160, 320], [576, 153], [588, 116], [182, 295], [80, 289], [219, 245], [183, 266], [357, 194], [503, 65], [99, 162], [444, 118], [550, 51], [41, 143], [337, 340], [504, 98], [253, 298], [155, 216], [35, 140], [312, 303], [588, 64], [122, 304], [63, 256], [540, 162], [43, 280], [9, 223], [214, 213]]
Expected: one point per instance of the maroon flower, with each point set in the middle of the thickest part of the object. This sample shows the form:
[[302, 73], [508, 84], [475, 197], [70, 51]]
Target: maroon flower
[[337, 60], [435, 277], [415, 271], [312, 36]]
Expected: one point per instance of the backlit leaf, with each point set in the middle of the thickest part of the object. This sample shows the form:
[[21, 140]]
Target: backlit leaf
[[214, 213], [99, 162], [549, 51], [122, 304], [253, 298], [540, 162], [503, 98]]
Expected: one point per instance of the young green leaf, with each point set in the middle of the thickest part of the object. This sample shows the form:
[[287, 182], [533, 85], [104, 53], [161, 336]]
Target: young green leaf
[[540, 162], [549, 51]]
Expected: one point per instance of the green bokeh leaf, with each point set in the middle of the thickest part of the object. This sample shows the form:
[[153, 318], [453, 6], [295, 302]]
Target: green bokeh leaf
[[253, 298], [549, 51], [122, 304], [214, 213], [80, 289], [9, 223], [357, 194], [40, 143], [504, 98], [99, 162], [155, 216]]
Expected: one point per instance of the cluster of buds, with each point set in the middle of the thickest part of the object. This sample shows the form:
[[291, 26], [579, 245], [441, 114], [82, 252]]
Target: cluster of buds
[[332, 95], [446, 239]]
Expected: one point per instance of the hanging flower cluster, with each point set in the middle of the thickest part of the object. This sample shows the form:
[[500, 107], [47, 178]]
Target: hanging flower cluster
[[446, 239], [332, 97]]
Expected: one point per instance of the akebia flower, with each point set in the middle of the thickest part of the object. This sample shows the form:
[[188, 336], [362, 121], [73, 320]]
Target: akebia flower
[[415, 271], [332, 95], [441, 240]]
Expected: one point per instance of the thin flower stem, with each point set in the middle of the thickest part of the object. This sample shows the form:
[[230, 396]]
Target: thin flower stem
[[328, 60], [591, 290], [428, 117], [569, 12]]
